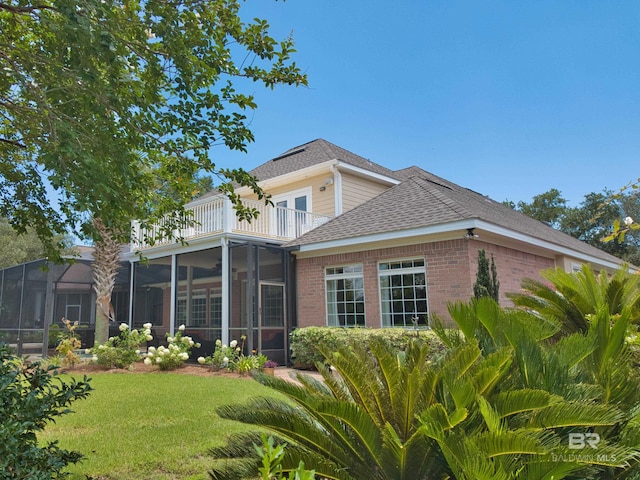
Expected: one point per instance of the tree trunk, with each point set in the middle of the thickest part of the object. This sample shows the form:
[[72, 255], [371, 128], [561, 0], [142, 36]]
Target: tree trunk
[[106, 261]]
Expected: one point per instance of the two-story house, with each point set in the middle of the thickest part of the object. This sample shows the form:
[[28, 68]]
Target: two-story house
[[346, 242]]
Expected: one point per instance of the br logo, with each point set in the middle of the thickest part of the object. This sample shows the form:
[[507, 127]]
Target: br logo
[[583, 440]]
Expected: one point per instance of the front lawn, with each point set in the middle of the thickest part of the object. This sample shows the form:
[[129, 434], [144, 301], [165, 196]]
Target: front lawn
[[152, 426]]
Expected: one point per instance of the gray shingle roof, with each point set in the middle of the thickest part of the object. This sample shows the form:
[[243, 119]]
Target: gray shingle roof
[[424, 200], [313, 153]]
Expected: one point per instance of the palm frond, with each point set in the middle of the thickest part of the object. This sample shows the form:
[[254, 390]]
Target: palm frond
[[571, 414], [512, 402]]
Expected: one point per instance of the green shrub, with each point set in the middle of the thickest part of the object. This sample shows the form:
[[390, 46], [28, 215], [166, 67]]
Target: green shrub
[[30, 397], [305, 342], [122, 351]]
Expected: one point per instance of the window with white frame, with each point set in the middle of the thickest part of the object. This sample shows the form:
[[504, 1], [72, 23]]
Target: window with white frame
[[345, 296], [215, 307], [198, 315], [403, 293]]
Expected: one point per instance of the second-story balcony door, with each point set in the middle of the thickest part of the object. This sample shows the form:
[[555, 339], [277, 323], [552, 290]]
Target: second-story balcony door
[[291, 214]]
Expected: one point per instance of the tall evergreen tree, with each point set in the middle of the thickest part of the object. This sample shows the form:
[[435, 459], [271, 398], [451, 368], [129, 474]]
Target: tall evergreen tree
[[487, 284]]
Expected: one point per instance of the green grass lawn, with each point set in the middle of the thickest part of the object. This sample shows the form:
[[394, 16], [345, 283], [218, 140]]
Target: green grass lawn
[[150, 426]]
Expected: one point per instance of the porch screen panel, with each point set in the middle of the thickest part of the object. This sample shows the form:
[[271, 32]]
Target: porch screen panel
[[272, 305]]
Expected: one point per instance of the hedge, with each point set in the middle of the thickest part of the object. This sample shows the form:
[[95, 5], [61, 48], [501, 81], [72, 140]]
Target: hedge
[[304, 342]]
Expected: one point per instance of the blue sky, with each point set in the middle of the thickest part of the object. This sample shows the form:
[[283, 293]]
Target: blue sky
[[508, 98]]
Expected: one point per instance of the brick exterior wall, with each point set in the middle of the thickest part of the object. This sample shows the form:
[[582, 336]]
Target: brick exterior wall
[[451, 272]]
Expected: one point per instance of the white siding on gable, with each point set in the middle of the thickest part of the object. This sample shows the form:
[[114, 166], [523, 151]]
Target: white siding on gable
[[357, 190]]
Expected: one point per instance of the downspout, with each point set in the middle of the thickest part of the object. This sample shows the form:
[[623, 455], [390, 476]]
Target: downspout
[[337, 189]]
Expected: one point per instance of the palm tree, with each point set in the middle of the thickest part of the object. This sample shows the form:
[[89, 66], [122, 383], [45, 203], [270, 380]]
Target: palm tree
[[570, 297], [106, 261], [501, 404]]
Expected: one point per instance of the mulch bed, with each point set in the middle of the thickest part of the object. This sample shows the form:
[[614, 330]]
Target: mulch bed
[[140, 367]]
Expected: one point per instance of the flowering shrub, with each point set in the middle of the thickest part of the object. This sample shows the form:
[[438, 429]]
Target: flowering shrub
[[174, 355], [231, 357], [122, 351], [224, 356], [68, 344]]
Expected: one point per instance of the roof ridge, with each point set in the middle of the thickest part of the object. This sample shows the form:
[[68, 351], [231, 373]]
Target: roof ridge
[[446, 200]]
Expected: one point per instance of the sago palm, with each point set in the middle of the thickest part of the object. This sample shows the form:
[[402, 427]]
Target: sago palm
[[359, 422], [499, 407], [570, 297]]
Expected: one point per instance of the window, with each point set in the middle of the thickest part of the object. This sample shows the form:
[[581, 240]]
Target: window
[[403, 293], [215, 307], [197, 317], [345, 296]]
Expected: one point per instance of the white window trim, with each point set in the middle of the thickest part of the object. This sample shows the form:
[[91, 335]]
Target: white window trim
[[292, 195], [390, 272], [343, 276]]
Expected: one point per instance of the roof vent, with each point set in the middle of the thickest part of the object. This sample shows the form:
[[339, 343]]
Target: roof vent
[[288, 154], [438, 183]]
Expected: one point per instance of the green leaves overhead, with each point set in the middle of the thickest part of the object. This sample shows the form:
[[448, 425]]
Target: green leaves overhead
[[102, 101]]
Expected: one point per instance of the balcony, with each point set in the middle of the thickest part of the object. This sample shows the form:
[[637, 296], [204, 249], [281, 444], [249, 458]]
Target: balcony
[[216, 216]]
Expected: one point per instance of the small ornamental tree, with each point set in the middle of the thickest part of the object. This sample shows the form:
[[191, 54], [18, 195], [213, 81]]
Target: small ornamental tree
[[487, 284]]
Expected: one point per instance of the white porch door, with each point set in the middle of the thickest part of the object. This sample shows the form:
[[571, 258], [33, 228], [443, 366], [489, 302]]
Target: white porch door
[[291, 217]]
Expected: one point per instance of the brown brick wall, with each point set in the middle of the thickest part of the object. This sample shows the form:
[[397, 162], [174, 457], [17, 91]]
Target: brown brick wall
[[451, 272]]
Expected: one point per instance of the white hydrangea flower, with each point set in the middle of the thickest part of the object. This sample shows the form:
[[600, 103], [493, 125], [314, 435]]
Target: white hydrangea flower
[[150, 354], [137, 352], [149, 338], [170, 339], [225, 360], [218, 343], [147, 361], [158, 360], [181, 328], [94, 358], [147, 326], [123, 327], [201, 360], [152, 349], [233, 343], [184, 356], [628, 221], [87, 351]]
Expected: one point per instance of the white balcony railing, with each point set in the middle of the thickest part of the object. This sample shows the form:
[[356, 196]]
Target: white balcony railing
[[217, 216]]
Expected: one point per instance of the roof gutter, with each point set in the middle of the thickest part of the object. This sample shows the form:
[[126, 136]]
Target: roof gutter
[[457, 226]]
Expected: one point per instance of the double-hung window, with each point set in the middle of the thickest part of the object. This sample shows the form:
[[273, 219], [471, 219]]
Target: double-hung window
[[345, 296], [403, 293]]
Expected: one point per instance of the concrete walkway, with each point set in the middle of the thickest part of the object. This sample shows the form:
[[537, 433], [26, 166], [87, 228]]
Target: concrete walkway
[[285, 373]]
